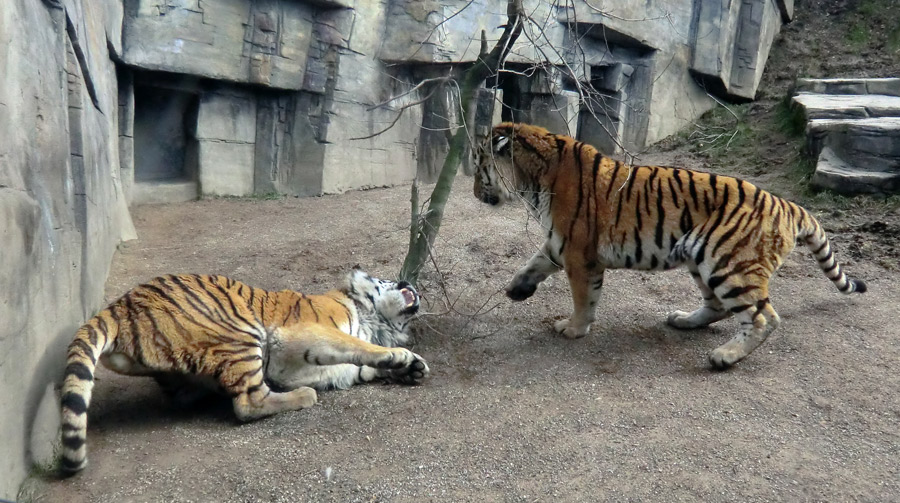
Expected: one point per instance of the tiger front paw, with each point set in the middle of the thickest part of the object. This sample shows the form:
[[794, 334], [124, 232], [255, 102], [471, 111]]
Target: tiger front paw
[[414, 373], [519, 290], [570, 332]]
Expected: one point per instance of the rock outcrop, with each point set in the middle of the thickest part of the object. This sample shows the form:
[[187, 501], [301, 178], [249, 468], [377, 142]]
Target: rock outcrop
[[853, 130], [62, 205], [323, 88]]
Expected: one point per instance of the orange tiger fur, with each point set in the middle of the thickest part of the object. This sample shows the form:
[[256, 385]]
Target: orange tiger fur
[[194, 329], [600, 214]]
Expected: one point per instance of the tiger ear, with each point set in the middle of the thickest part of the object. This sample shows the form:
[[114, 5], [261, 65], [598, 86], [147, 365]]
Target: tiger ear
[[501, 145]]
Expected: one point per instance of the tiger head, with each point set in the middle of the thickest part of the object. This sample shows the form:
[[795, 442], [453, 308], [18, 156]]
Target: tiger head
[[393, 303], [494, 170]]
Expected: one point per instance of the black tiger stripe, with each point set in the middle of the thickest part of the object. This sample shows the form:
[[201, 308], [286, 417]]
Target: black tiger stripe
[[80, 371], [86, 350], [74, 402], [560, 146], [648, 187], [612, 180], [222, 311], [101, 326], [70, 464], [136, 341], [660, 218], [687, 222], [73, 443], [579, 203], [653, 174], [740, 201], [316, 311], [692, 190], [701, 252], [236, 312], [727, 235], [175, 315], [638, 250], [637, 214], [632, 176], [827, 257], [159, 337], [738, 291], [672, 193], [676, 174], [201, 307], [618, 210]]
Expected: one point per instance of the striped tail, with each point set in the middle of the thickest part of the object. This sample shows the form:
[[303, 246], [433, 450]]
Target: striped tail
[[816, 240], [91, 340]]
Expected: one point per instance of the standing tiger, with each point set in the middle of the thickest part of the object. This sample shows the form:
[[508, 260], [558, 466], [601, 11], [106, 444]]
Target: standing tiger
[[188, 330], [601, 214]]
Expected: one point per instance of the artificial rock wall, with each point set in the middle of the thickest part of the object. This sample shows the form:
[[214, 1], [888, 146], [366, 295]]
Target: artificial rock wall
[[62, 206], [318, 93]]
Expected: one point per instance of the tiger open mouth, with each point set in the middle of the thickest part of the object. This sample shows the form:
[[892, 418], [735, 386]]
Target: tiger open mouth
[[410, 297]]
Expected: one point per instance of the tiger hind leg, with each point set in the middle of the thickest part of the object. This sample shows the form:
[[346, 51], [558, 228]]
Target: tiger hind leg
[[712, 310], [261, 401], [757, 322], [241, 375]]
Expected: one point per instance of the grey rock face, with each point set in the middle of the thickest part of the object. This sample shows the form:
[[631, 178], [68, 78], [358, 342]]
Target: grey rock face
[[853, 132], [323, 75], [62, 205]]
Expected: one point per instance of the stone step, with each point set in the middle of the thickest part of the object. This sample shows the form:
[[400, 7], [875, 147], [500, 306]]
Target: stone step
[[176, 191], [835, 173], [887, 86], [874, 142], [846, 106]]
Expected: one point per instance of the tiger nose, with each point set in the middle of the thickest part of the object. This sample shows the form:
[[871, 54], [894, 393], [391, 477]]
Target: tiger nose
[[491, 199]]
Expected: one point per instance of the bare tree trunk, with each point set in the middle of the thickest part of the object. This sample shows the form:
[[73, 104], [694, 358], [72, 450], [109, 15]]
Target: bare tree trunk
[[424, 227]]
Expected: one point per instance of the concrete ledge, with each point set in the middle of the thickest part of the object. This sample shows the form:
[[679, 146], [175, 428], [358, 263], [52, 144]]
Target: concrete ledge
[[164, 192], [845, 106], [877, 136], [835, 174], [886, 86]]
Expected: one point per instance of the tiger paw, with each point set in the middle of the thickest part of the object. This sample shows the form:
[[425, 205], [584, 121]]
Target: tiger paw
[[724, 357], [570, 332], [414, 373], [680, 319], [520, 290]]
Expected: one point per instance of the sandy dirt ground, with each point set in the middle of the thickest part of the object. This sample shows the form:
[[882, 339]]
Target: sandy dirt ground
[[511, 412]]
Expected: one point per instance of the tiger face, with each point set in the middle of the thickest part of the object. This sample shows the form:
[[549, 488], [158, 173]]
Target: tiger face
[[494, 171], [394, 303]]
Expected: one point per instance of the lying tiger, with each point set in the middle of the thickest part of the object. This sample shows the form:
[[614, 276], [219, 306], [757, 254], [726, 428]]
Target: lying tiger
[[601, 214], [220, 333]]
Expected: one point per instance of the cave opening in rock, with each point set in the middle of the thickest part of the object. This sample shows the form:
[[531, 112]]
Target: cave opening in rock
[[165, 144]]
